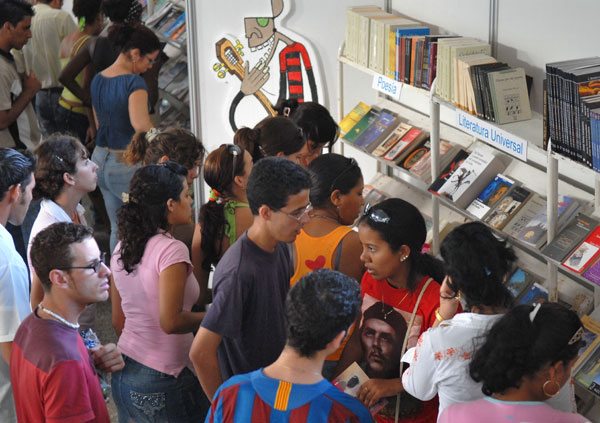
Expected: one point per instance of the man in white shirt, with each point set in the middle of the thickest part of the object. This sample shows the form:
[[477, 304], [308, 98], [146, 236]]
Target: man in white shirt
[[49, 26], [16, 185], [18, 124]]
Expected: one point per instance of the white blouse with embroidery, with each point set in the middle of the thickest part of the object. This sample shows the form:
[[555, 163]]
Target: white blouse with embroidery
[[439, 364]]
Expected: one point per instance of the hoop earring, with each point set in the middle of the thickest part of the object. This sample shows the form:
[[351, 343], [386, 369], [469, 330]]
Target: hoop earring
[[546, 393]]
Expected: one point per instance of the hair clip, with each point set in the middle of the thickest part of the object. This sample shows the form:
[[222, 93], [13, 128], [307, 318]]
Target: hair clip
[[81, 24], [215, 195], [576, 336], [60, 159], [487, 271], [125, 197], [286, 111], [534, 312], [151, 134]]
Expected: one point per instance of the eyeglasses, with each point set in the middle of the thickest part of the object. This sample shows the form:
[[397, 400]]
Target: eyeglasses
[[376, 215], [236, 151], [298, 215], [152, 61], [351, 165], [95, 266]]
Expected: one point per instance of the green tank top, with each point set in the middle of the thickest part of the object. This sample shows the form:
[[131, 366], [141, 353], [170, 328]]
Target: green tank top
[[229, 212]]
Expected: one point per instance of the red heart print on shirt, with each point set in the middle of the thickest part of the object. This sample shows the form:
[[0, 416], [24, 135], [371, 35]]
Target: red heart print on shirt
[[318, 263]]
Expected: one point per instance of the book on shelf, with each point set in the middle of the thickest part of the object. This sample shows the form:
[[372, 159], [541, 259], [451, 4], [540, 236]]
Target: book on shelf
[[406, 145], [362, 125], [352, 118], [465, 88], [364, 35], [589, 370], [415, 155], [374, 135], [352, 29], [457, 51], [520, 282], [422, 169], [535, 294], [592, 273], [534, 231], [570, 237], [493, 193], [509, 207], [170, 71], [591, 332], [395, 50], [585, 253], [179, 22], [379, 31], [483, 102], [372, 195], [392, 139], [471, 177], [448, 171], [179, 34], [510, 99], [160, 11]]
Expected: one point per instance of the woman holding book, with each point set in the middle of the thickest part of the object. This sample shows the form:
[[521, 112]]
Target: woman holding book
[[273, 136], [226, 216], [526, 359], [327, 240], [316, 122], [400, 299]]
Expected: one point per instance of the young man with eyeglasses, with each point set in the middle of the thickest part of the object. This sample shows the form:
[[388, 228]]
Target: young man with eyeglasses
[[52, 372], [244, 328], [16, 183]]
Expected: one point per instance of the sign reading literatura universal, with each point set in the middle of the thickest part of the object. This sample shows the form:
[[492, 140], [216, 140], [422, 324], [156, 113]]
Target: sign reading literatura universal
[[487, 132]]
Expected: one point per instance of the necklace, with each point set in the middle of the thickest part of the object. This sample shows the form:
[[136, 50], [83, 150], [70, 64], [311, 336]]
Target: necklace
[[59, 317], [386, 314], [322, 216]]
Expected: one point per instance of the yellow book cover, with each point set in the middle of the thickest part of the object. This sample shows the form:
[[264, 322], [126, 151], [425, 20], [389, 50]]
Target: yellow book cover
[[353, 117]]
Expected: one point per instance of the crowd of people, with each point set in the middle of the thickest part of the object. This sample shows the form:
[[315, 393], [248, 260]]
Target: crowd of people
[[322, 308]]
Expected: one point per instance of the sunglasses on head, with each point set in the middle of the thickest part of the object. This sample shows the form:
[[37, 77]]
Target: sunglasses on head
[[376, 215]]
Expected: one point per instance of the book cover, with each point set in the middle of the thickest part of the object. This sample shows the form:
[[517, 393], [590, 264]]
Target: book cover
[[170, 72], [509, 95], [372, 195], [589, 369], [374, 134], [591, 338], [536, 294], [350, 381], [352, 118], [571, 236], [533, 207], [508, 207], [593, 272], [417, 154], [361, 126], [471, 177], [422, 168], [520, 282], [448, 171], [490, 196], [585, 253], [392, 139], [406, 144], [534, 231]]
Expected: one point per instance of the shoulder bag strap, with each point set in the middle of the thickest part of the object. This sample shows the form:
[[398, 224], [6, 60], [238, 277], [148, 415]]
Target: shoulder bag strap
[[408, 329]]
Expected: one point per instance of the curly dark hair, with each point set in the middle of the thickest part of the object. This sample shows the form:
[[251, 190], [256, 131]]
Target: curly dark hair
[[178, 144], [478, 263], [272, 181], [16, 167], [320, 129], [329, 172], [56, 156], [517, 348], [271, 136], [218, 174], [145, 213], [406, 226], [56, 238], [88, 9], [117, 10], [128, 37], [321, 305]]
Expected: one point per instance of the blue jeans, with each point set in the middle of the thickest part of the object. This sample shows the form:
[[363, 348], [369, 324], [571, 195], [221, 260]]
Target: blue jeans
[[142, 394], [113, 179], [46, 106]]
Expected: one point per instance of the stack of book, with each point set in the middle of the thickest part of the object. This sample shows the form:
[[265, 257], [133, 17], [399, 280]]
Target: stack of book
[[573, 106], [168, 20]]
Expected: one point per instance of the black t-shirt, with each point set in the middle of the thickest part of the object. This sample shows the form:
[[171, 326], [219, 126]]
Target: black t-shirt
[[249, 290]]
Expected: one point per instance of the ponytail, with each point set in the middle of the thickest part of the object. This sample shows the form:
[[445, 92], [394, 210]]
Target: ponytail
[[136, 151], [249, 140]]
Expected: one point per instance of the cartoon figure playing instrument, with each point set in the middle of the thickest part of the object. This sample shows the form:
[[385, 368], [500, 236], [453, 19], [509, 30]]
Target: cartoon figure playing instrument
[[297, 77]]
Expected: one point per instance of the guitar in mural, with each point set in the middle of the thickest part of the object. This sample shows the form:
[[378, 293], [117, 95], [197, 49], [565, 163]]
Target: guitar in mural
[[296, 75], [233, 62]]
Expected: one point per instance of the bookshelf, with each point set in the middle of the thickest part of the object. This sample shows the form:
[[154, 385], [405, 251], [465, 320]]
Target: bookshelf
[[540, 169]]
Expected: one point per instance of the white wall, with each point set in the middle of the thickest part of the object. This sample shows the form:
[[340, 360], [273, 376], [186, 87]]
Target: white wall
[[321, 22]]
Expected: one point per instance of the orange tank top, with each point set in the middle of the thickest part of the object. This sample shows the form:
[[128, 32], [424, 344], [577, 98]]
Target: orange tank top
[[318, 253]]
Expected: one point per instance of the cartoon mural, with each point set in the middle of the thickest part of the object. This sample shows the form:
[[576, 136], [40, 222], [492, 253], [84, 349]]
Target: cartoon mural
[[297, 77]]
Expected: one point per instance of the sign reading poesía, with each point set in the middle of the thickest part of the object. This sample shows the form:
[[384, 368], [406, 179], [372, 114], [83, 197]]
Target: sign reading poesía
[[387, 86], [483, 130]]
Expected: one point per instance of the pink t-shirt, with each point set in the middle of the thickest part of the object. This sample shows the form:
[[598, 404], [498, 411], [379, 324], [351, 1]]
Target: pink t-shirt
[[491, 410], [143, 339]]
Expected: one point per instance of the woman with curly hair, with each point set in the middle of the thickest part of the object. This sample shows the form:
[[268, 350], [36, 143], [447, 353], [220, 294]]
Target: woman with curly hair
[[64, 175], [226, 215], [152, 296], [526, 359]]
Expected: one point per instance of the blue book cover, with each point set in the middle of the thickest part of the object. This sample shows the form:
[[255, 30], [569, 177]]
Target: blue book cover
[[178, 22], [407, 32], [383, 122], [536, 294]]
